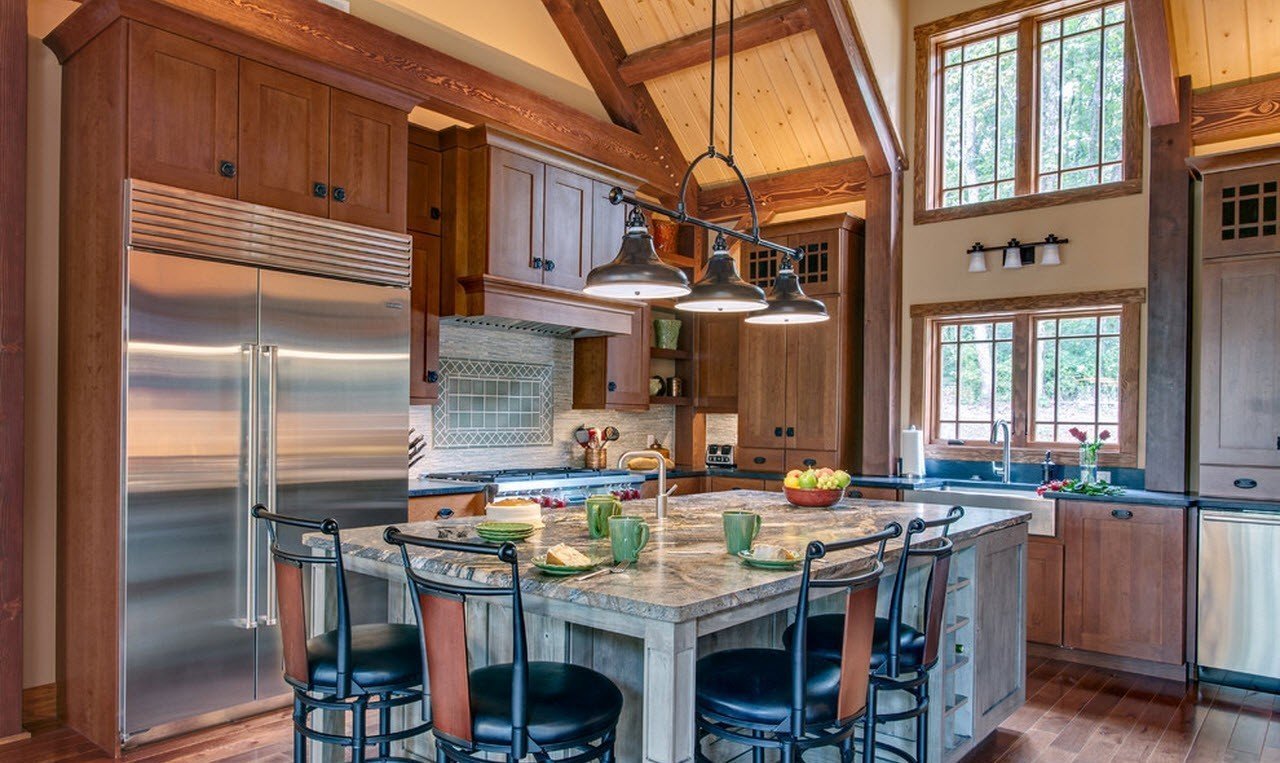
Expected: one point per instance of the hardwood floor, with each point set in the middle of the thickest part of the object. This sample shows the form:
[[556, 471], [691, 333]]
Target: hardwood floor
[[1073, 713]]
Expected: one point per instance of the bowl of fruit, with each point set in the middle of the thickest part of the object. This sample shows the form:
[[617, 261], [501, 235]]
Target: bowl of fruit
[[815, 488]]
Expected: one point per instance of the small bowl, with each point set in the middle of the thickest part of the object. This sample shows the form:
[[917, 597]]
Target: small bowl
[[813, 498]]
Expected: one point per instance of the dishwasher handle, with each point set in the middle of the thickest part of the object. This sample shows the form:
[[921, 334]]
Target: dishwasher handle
[[1241, 517]]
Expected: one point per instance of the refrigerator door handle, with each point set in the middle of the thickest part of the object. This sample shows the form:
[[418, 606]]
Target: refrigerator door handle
[[250, 621], [271, 353]]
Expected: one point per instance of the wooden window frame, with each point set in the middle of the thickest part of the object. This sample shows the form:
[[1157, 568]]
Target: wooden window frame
[[1025, 15], [925, 322]]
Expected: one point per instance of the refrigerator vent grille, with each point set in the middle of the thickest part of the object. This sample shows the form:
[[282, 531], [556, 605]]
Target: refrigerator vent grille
[[175, 221]]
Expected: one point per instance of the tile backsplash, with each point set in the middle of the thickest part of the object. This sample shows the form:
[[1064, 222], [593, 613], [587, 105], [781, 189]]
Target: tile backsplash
[[489, 373]]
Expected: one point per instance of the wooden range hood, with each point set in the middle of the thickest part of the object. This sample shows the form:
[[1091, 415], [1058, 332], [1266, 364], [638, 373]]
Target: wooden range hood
[[508, 303]]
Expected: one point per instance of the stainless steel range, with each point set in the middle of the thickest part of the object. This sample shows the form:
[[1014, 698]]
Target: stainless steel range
[[556, 487]]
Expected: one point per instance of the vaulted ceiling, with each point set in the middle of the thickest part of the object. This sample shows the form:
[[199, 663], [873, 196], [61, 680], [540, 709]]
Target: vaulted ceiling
[[1226, 41]]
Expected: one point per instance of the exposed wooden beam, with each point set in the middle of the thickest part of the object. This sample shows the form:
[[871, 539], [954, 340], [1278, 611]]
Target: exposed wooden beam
[[752, 30], [595, 44], [805, 188], [1242, 111], [13, 222], [882, 325], [1168, 295], [1157, 59], [847, 56], [346, 51]]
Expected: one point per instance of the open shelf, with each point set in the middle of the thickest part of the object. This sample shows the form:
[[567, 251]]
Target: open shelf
[[957, 702], [665, 400], [679, 260], [960, 583], [960, 662], [662, 352], [957, 624]]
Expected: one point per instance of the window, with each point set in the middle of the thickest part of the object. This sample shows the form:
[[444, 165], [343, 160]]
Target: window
[[1044, 364], [1025, 108]]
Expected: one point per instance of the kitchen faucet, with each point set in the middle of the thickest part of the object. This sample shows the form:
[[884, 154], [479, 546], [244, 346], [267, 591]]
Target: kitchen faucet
[[662, 475], [1001, 427]]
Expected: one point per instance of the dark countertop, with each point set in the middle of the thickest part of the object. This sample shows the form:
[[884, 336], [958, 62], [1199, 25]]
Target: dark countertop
[[859, 480], [420, 488], [1144, 497], [1238, 505]]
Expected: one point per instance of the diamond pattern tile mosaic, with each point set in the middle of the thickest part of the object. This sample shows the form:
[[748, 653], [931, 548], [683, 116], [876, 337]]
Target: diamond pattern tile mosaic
[[487, 403]]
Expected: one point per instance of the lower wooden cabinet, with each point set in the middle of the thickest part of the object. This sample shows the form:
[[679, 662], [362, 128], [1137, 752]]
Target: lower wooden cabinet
[[428, 507], [716, 484], [1044, 591], [1124, 583], [873, 493], [683, 486]]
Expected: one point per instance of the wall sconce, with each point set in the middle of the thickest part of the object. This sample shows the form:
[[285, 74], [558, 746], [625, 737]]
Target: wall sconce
[[1017, 253]]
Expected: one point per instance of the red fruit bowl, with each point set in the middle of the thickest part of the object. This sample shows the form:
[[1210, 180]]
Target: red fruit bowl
[[813, 498]]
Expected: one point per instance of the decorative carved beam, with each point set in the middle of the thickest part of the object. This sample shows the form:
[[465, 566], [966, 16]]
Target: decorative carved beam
[[805, 188], [847, 56], [1157, 62], [595, 44], [752, 30], [1243, 111]]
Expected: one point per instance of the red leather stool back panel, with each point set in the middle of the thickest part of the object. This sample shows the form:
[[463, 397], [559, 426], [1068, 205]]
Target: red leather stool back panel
[[444, 634]]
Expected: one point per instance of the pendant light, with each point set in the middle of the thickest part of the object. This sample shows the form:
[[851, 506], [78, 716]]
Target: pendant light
[[788, 303], [721, 289], [1013, 254], [637, 272], [977, 259]]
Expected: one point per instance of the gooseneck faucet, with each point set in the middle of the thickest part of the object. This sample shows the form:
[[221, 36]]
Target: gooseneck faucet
[[1000, 429], [662, 476]]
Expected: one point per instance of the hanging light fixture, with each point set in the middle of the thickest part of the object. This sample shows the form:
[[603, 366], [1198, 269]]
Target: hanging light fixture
[[1051, 252], [720, 289], [977, 259], [637, 272], [1013, 254]]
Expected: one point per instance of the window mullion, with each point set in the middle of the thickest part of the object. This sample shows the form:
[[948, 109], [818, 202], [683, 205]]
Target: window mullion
[[1021, 403], [1024, 132]]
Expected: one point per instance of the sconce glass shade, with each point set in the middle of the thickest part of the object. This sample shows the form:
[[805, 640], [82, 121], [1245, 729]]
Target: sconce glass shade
[[1051, 254], [721, 290], [788, 303], [637, 272], [977, 261], [1012, 257]]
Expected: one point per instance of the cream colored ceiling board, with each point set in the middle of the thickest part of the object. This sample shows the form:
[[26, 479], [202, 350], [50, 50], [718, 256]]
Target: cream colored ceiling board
[[433, 120], [689, 16], [1264, 36], [1189, 39], [514, 39], [826, 109], [1221, 42], [1227, 31]]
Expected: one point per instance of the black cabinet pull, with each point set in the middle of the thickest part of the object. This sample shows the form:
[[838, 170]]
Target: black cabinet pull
[[759, 459], [435, 213], [537, 263], [777, 431], [227, 169], [810, 462], [433, 377], [791, 431], [853, 493], [548, 265], [1122, 514], [1244, 483], [319, 190], [339, 194], [444, 513], [613, 386]]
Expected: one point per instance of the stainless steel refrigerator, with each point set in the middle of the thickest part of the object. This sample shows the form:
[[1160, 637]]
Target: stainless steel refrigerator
[[248, 380]]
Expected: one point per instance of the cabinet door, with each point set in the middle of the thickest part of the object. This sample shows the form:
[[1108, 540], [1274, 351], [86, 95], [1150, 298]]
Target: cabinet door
[[813, 394], [1044, 592], [627, 360], [715, 363], [284, 140], [1240, 363], [1124, 580], [762, 386], [819, 268], [424, 190], [424, 333], [182, 112], [566, 229], [427, 508], [608, 223], [368, 150], [515, 216], [717, 484]]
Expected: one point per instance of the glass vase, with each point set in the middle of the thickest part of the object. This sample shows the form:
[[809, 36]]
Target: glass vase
[[1088, 464]]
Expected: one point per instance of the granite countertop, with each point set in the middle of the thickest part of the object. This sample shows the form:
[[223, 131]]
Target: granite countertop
[[419, 488], [1145, 497], [684, 572], [859, 480]]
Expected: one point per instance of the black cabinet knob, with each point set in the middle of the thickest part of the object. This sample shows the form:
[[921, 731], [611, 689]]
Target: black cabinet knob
[[1244, 483], [339, 194], [444, 513], [613, 386], [810, 462], [853, 492], [537, 263], [435, 213], [227, 169], [759, 459], [319, 190], [1122, 514], [433, 377], [549, 265], [791, 431], [777, 431]]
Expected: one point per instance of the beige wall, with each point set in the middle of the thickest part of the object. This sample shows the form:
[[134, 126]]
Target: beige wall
[[1108, 248]]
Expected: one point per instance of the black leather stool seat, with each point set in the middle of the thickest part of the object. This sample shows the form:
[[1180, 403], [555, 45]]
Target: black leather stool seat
[[754, 686], [382, 655], [827, 631], [566, 702]]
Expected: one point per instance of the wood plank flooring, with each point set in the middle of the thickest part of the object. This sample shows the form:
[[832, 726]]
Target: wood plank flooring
[[1073, 713]]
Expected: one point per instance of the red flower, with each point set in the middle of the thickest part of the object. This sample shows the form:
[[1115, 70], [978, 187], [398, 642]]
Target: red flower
[[1104, 435], [1076, 433]]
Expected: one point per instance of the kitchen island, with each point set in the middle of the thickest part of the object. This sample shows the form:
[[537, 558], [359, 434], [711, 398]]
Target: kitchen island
[[646, 627]]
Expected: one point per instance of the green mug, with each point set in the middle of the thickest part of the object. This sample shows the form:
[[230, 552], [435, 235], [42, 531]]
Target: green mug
[[599, 509], [740, 529], [628, 535]]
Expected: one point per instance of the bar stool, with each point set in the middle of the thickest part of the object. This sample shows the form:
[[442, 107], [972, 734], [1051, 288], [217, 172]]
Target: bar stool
[[515, 709], [903, 655], [352, 669], [790, 700]]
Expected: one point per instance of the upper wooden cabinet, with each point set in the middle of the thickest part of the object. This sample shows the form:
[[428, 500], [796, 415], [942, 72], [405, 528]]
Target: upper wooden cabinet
[[1241, 212], [424, 182], [207, 120], [613, 372], [567, 228], [515, 203], [715, 363], [823, 267]]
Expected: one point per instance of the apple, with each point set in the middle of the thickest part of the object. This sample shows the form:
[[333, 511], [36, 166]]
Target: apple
[[842, 478], [792, 482], [794, 473], [808, 480]]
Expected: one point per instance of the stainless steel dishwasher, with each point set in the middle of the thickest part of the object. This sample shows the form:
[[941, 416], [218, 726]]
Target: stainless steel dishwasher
[[1239, 585]]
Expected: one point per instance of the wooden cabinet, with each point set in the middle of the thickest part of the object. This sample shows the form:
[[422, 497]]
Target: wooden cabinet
[[762, 387], [1044, 591], [367, 154], [182, 102], [683, 486], [566, 229], [873, 493], [608, 224], [424, 185], [515, 206], [814, 367], [715, 484], [613, 371], [715, 363], [424, 331], [1124, 579], [284, 140], [427, 508]]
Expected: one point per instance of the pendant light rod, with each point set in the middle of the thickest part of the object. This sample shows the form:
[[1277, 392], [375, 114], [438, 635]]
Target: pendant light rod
[[618, 196]]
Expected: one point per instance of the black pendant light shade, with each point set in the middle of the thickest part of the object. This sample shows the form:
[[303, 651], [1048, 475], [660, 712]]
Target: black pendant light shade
[[637, 273], [721, 290], [788, 303]]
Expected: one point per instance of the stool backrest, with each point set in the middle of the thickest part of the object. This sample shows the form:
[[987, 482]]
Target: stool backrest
[[290, 598], [935, 592], [442, 624], [859, 627]]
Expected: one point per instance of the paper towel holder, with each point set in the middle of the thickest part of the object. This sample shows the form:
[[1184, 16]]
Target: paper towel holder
[[911, 447]]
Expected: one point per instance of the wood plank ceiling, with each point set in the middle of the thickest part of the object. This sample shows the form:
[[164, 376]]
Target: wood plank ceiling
[[1222, 42], [788, 111]]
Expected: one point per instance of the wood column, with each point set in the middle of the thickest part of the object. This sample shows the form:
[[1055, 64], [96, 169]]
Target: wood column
[[13, 221], [1168, 302], [881, 330]]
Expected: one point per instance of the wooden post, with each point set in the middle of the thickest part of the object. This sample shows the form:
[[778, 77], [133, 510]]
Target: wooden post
[[1168, 301], [881, 332], [13, 221]]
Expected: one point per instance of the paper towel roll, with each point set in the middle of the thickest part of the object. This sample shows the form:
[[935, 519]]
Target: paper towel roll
[[912, 450]]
